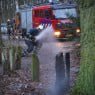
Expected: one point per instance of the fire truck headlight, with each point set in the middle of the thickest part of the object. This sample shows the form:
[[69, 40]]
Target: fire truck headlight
[[77, 30], [57, 33]]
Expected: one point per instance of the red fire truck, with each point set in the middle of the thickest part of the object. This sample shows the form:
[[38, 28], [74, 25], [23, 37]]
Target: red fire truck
[[57, 15]]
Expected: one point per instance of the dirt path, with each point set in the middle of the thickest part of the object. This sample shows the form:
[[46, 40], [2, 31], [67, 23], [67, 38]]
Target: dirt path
[[22, 82]]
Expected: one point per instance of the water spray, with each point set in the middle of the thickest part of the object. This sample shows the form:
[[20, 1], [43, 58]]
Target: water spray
[[34, 43], [46, 35]]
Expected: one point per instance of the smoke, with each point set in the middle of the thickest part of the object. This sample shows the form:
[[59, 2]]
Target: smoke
[[46, 35]]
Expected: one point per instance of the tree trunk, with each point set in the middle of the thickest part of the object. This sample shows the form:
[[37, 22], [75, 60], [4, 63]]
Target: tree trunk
[[1, 43], [85, 84]]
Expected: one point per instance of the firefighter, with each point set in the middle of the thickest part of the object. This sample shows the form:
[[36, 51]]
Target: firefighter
[[9, 27], [17, 24], [31, 41]]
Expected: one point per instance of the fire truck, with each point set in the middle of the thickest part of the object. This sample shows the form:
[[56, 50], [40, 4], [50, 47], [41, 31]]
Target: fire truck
[[59, 16]]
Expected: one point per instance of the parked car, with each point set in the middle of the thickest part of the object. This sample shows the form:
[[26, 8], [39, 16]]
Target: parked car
[[3, 28]]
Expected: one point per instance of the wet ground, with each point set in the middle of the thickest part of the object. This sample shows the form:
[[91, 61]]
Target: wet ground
[[20, 82]]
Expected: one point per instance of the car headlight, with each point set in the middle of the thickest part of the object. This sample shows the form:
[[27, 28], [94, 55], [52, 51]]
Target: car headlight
[[78, 30], [57, 33]]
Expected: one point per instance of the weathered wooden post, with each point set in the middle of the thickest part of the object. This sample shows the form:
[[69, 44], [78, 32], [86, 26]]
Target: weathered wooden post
[[60, 68], [67, 60], [60, 74], [12, 56], [18, 57], [35, 67]]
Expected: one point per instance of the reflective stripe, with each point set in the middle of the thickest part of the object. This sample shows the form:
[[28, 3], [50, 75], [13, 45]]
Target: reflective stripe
[[46, 25]]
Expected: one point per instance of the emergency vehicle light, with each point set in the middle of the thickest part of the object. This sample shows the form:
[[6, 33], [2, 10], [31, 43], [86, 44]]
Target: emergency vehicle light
[[78, 30], [57, 33]]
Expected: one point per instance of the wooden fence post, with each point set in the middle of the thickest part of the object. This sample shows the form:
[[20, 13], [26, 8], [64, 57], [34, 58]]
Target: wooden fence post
[[67, 60], [18, 58], [12, 56], [60, 68], [35, 67], [60, 74]]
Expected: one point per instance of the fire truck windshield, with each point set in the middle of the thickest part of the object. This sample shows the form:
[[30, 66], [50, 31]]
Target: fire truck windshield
[[64, 13]]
